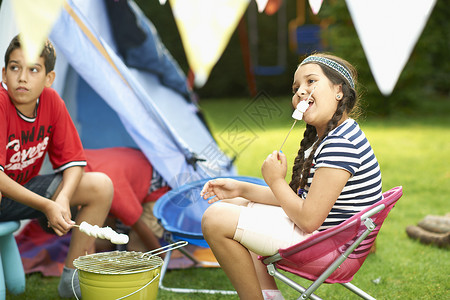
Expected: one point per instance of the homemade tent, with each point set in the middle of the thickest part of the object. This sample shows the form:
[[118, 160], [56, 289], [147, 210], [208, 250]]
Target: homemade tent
[[123, 88]]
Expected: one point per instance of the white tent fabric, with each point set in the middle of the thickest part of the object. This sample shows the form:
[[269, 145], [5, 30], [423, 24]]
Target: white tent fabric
[[160, 121]]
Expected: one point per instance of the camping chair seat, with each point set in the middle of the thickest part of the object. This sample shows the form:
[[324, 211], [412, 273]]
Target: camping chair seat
[[335, 254], [180, 213]]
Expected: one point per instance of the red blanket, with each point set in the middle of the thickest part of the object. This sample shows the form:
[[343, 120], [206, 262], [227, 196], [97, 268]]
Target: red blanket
[[41, 251]]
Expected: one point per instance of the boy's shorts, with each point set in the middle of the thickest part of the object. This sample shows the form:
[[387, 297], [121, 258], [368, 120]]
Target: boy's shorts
[[264, 229], [44, 185]]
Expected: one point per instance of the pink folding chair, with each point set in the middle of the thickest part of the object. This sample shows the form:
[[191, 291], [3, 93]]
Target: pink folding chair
[[335, 254]]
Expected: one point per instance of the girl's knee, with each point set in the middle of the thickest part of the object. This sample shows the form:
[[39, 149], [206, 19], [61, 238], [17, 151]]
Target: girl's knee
[[219, 219], [210, 218]]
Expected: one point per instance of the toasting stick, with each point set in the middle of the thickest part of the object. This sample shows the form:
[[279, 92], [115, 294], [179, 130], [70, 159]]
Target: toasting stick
[[103, 233], [302, 106]]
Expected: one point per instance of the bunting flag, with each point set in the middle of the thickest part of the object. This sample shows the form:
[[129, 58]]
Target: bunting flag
[[34, 20], [205, 28], [315, 5], [388, 31], [261, 5]]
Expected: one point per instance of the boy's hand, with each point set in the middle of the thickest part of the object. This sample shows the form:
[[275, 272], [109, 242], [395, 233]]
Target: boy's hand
[[222, 188], [65, 203], [57, 218], [274, 167]]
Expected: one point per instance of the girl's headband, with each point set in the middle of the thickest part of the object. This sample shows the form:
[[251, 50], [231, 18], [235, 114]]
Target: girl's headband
[[332, 64]]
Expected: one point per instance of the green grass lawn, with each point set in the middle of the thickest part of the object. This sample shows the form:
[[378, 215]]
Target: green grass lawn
[[413, 151]]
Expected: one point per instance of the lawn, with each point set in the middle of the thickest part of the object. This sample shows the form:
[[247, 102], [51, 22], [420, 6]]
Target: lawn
[[413, 151]]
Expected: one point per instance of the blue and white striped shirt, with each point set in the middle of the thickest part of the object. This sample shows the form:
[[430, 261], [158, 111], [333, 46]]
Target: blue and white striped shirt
[[347, 148]]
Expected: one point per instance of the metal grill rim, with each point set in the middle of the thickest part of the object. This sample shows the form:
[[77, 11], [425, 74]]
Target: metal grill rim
[[117, 262]]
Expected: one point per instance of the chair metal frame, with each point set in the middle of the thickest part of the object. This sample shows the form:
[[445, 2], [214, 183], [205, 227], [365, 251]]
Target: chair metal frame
[[306, 293], [170, 239]]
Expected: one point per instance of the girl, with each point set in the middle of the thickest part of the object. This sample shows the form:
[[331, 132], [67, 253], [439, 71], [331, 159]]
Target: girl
[[335, 175]]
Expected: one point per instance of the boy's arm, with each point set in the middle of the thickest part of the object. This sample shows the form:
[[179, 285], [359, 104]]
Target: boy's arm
[[54, 211], [70, 181]]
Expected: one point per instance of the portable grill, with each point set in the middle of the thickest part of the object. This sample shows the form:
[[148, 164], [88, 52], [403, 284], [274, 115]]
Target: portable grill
[[117, 262], [121, 274]]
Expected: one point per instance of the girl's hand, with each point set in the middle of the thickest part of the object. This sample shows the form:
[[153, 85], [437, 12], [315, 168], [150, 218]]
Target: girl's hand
[[274, 167], [219, 189]]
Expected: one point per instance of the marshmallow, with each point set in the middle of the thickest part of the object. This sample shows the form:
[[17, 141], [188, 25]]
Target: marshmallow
[[95, 231], [103, 233], [302, 106], [108, 233], [120, 239], [85, 227]]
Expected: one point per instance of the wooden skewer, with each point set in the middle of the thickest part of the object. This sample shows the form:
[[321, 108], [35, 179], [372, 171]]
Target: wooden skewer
[[295, 121]]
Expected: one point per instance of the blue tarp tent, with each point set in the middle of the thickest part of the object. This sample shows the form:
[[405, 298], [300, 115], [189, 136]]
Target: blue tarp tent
[[129, 95]]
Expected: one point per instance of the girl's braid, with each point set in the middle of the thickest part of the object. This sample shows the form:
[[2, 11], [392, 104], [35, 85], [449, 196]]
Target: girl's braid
[[309, 136]]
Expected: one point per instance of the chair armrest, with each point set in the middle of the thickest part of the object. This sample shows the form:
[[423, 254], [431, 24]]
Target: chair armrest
[[373, 211]]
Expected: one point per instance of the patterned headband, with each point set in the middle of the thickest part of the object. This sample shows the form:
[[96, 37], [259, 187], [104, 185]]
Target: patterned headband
[[332, 64]]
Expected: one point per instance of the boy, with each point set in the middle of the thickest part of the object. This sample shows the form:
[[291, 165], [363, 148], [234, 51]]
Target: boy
[[34, 121]]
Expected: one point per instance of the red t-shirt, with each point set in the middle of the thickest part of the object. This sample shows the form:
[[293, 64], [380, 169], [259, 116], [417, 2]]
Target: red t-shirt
[[27, 140]]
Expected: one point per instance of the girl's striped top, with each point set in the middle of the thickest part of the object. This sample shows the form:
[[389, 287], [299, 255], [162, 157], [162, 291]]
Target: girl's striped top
[[347, 148]]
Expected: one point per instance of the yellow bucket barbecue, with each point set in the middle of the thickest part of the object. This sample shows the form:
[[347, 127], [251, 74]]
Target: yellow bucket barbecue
[[121, 274]]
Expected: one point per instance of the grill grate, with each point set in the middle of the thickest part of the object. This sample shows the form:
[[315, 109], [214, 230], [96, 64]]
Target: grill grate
[[117, 262]]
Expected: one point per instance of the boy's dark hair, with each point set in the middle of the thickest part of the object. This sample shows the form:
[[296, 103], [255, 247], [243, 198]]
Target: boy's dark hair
[[48, 53]]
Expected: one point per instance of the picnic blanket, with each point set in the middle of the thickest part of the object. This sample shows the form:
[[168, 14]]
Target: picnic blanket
[[41, 251]]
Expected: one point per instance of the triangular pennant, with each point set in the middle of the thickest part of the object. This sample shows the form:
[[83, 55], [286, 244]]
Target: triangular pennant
[[205, 28], [315, 5], [261, 5], [35, 20], [388, 31]]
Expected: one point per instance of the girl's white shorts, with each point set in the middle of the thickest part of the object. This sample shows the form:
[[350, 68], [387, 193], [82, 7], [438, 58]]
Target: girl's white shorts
[[263, 229]]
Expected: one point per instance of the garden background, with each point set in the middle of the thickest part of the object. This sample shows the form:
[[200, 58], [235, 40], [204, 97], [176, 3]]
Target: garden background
[[409, 131]]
